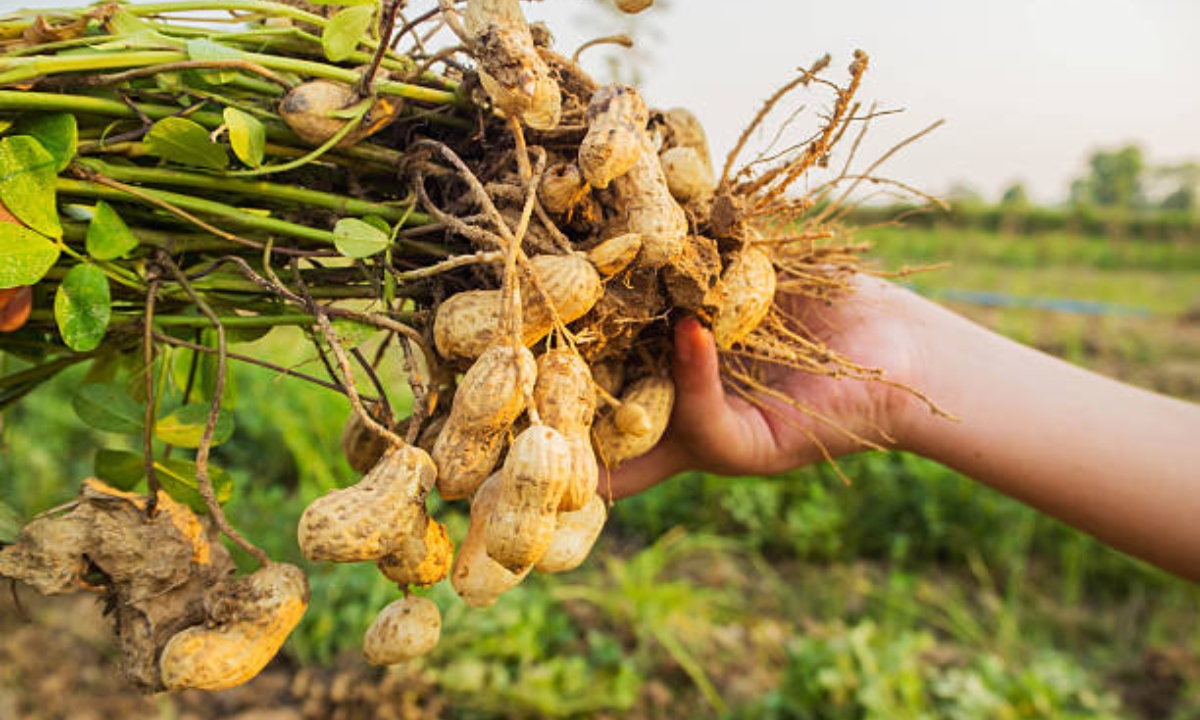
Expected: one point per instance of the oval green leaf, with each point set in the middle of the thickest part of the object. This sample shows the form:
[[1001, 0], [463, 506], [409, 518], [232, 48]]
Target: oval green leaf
[[109, 408], [27, 174], [357, 239], [247, 136], [186, 142], [25, 256], [57, 132], [108, 237], [83, 307], [345, 30], [178, 478], [120, 468], [184, 426]]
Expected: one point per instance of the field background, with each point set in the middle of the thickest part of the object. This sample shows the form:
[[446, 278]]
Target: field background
[[910, 593]]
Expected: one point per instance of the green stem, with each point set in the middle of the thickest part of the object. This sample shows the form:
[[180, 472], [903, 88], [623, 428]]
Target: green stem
[[238, 217], [288, 193], [235, 321]]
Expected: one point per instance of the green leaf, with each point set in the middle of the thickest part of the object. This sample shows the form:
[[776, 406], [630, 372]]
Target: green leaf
[[357, 239], [184, 426], [124, 470], [27, 173], [185, 142], [10, 523], [345, 30], [352, 333], [109, 408], [247, 136], [378, 222], [120, 468], [108, 237], [178, 478], [203, 49], [25, 256], [123, 22], [83, 307], [57, 132]]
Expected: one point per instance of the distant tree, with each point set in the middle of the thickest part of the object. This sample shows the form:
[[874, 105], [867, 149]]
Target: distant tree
[[1184, 183], [1115, 179], [1015, 196]]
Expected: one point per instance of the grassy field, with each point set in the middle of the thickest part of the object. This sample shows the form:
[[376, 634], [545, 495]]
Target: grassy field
[[912, 593]]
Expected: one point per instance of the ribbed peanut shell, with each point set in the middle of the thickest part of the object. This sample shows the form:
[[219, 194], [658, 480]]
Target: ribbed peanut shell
[[422, 559], [405, 629], [615, 254], [532, 483], [688, 176], [465, 324], [633, 6], [684, 130], [655, 395], [489, 398], [367, 520], [574, 536], [511, 71], [566, 401], [561, 188], [650, 210], [748, 290], [477, 578], [249, 620], [615, 140]]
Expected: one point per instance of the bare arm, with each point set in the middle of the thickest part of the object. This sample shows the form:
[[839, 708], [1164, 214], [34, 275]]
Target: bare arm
[[1117, 462]]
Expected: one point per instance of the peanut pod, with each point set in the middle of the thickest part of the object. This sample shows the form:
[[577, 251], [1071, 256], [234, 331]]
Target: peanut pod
[[477, 578], [616, 136], [368, 520], [574, 535], [532, 483], [249, 619], [566, 401], [645, 409], [489, 398], [748, 291], [405, 629], [421, 559]]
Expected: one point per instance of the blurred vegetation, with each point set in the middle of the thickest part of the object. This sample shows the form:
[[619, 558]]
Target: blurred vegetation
[[911, 593]]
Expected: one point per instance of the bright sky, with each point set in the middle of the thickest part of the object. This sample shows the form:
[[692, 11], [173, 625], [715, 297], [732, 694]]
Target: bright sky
[[1028, 87]]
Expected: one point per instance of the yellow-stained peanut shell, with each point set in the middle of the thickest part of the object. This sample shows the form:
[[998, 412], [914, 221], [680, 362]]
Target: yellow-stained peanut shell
[[420, 559], [574, 537], [616, 137], [309, 110], [633, 6], [655, 395], [367, 520], [249, 619], [688, 176], [562, 188], [490, 396], [585, 474], [748, 290], [477, 578], [405, 629], [532, 483], [633, 419], [616, 253], [465, 324], [685, 130]]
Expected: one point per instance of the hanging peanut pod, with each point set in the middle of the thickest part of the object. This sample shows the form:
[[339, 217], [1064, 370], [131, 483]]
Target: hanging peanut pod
[[405, 629], [748, 291], [646, 406], [368, 520], [466, 324], [678, 127], [489, 398], [532, 483], [574, 536], [562, 188], [362, 446], [648, 209], [477, 578], [615, 254], [566, 401], [633, 6], [420, 559], [616, 137], [248, 621], [511, 70]]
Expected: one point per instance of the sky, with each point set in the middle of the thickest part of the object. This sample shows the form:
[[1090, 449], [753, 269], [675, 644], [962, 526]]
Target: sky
[[1028, 88]]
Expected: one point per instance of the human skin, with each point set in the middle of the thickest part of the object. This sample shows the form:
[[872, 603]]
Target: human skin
[[1112, 460]]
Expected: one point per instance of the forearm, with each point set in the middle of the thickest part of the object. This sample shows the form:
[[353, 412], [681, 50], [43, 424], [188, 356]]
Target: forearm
[[1117, 462]]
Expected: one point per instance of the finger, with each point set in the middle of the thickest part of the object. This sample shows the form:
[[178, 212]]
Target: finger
[[643, 472]]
